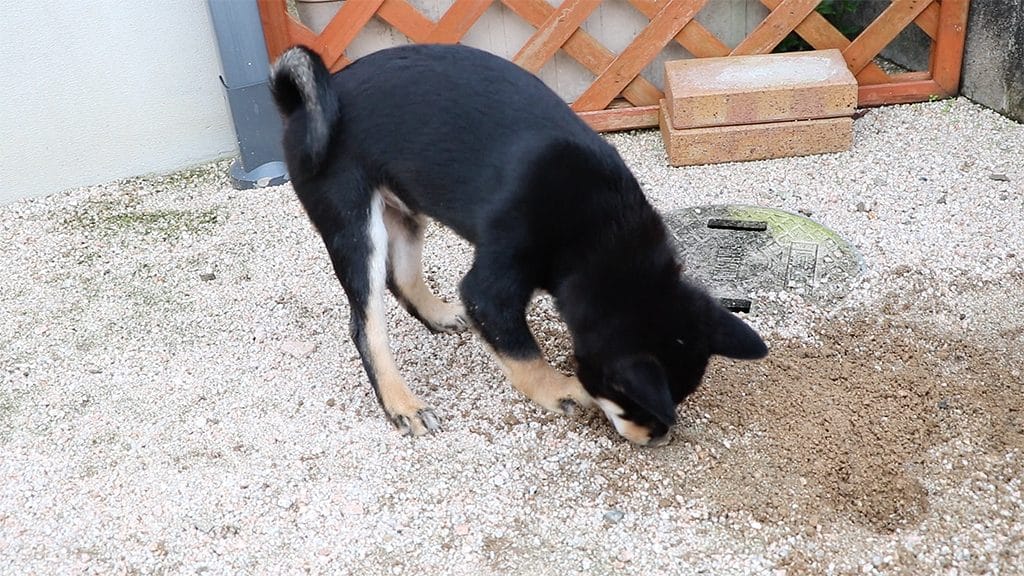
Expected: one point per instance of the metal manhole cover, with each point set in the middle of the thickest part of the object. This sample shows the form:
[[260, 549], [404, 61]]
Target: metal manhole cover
[[739, 251]]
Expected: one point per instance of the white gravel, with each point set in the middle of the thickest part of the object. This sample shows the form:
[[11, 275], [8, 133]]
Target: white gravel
[[179, 394]]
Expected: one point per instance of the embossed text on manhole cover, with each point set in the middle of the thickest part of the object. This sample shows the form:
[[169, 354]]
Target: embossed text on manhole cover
[[739, 251]]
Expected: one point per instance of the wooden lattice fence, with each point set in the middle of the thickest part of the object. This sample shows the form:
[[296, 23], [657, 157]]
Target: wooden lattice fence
[[619, 97]]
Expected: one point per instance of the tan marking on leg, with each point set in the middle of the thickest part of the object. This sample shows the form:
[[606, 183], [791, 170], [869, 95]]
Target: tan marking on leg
[[540, 382], [399, 402], [406, 252]]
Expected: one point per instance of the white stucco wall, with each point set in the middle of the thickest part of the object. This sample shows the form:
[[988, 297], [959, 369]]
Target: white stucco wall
[[95, 90]]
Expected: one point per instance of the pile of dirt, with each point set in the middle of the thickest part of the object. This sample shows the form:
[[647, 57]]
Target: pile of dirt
[[849, 424]]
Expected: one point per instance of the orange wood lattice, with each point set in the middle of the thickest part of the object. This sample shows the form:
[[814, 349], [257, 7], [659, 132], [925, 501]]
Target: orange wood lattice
[[619, 97]]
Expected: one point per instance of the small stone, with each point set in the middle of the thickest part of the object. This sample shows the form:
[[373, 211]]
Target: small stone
[[461, 529], [614, 516], [999, 177], [284, 502], [625, 556], [297, 349], [331, 402], [862, 207], [207, 276]]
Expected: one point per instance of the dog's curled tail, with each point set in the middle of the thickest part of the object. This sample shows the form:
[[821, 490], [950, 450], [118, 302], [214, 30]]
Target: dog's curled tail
[[299, 80]]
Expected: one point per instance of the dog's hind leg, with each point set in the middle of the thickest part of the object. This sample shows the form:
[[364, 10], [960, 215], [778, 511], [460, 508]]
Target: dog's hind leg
[[405, 278], [496, 301], [356, 240]]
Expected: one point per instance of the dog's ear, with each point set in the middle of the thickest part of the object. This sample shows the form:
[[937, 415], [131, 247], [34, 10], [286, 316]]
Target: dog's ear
[[642, 380], [733, 338]]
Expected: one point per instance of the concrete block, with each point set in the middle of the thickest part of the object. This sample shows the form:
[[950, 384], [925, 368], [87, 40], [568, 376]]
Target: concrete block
[[736, 90], [993, 72], [710, 145]]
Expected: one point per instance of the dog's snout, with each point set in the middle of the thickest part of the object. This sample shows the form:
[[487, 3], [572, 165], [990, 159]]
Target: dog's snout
[[656, 441], [635, 433]]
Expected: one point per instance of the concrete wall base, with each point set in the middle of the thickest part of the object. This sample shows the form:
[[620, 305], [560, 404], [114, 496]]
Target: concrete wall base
[[994, 57]]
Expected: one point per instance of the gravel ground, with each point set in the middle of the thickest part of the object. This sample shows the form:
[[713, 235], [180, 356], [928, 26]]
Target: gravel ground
[[179, 394]]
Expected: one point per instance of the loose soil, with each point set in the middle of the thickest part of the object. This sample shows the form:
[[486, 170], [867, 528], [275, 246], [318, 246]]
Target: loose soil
[[852, 423]]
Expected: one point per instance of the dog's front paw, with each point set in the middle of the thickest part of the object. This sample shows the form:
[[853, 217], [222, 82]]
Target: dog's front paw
[[546, 386], [418, 423], [568, 406], [564, 395], [448, 317]]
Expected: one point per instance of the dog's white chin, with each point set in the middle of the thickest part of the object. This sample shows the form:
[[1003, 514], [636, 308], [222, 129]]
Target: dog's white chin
[[627, 428]]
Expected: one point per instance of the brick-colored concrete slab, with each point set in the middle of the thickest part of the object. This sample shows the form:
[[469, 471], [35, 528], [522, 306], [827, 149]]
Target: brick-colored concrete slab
[[712, 145], [762, 88]]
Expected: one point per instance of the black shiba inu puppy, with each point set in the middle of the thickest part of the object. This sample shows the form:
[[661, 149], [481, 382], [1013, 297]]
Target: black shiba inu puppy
[[485, 148]]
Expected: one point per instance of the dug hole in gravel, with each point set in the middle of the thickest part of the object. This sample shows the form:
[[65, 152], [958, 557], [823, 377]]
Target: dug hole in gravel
[[180, 396]]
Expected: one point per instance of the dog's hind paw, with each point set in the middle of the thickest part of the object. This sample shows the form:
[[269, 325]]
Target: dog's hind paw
[[424, 421]]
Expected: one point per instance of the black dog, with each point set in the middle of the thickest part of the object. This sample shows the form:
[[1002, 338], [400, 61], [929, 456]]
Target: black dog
[[485, 148]]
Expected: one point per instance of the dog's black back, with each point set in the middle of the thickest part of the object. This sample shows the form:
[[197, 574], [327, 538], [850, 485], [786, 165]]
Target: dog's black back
[[495, 122], [485, 148]]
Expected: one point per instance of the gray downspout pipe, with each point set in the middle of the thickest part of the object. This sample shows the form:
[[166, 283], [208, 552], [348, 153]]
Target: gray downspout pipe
[[243, 56]]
